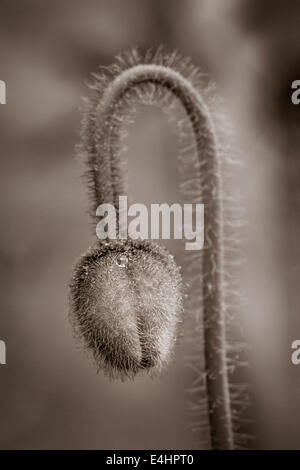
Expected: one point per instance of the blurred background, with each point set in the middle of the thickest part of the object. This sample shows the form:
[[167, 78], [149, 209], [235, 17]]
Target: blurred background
[[50, 395]]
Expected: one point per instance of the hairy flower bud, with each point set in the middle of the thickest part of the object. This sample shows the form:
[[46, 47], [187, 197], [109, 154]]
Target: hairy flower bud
[[126, 298]]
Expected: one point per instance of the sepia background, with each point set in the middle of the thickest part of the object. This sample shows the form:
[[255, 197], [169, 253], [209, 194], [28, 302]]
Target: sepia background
[[50, 395]]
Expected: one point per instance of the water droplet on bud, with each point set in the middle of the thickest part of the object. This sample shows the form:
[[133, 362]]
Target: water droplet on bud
[[122, 261]]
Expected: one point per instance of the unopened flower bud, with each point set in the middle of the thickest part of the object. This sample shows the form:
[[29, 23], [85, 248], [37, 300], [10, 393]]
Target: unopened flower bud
[[127, 305]]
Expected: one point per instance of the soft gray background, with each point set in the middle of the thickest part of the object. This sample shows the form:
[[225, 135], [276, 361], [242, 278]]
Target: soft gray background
[[50, 396]]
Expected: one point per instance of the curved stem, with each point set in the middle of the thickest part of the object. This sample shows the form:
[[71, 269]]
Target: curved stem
[[106, 186]]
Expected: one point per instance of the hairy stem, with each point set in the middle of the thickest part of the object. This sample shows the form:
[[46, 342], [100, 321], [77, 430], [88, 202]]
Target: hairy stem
[[105, 130]]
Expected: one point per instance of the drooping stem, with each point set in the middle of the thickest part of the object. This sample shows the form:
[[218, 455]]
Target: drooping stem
[[105, 134]]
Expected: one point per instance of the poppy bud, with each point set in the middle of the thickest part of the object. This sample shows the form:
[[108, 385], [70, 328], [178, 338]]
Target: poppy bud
[[127, 304]]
